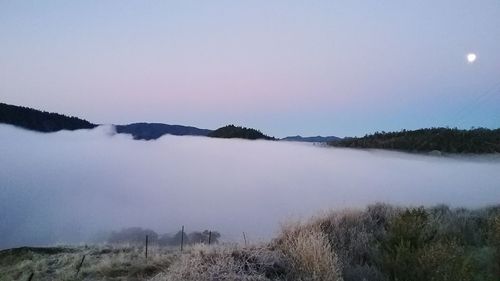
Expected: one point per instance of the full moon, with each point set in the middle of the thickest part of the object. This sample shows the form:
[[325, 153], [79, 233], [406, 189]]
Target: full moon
[[471, 57]]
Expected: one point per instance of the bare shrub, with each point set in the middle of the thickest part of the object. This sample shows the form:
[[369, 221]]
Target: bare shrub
[[348, 235], [310, 253], [353, 235], [221, 263]]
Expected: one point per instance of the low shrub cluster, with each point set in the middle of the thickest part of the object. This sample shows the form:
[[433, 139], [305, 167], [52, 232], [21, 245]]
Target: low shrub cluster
[[309, 254], [225, 263], [389, 243], [380, 243], [83, 263]]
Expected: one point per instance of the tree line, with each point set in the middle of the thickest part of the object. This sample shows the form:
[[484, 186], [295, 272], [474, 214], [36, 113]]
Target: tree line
[[232, 131], [447, 140], [40, 121], [136, 235]]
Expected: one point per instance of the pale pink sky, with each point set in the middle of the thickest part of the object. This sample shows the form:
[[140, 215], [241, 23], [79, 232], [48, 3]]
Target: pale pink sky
[[285, 67]]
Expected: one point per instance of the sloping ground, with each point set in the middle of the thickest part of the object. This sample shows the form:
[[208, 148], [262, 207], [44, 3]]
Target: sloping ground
[[380, 243], [81, 263]]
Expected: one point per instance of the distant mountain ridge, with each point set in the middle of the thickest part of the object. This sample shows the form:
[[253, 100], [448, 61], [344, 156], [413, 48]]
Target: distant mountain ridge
[[152, 131], [435, 140], [311, 139], [40, 121]]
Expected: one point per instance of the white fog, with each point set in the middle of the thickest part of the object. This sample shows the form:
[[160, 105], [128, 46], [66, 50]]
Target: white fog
[[65, 187]]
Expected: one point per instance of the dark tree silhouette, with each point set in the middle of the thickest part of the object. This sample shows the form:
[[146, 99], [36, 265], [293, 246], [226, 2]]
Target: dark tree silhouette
[[40, 121], [152, 131], [232, 131], [132, 235], [478, 140], [203, 237]]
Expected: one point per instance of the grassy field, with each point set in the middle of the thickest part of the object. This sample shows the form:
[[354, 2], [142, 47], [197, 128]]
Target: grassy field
[[381, 242]]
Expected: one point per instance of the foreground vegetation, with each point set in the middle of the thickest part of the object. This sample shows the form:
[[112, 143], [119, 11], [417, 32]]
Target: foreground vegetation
[[382, 242], [445, 140]]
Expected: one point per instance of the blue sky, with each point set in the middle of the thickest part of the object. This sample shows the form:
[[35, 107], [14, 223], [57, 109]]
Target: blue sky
[[286, 67]]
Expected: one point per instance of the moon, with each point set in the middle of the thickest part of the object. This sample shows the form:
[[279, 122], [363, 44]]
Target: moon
[[471, 57]]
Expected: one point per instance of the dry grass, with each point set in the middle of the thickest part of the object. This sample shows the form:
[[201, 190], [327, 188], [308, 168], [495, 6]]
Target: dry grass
[[221, 263], [349, 245], [310, 253], [351, 234], [198, 262], [100, 263]]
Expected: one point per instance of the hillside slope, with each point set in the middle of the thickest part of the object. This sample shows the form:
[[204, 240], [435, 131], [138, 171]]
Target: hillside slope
[[380, 242], [446, 140], [311, 139], [231, 131], [40, 121], [151, 131]]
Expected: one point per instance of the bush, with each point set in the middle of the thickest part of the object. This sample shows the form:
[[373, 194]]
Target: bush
[[132, 235], [494, 237], [203, 237], [443, 260], [210, 263], [412, 250], [353, 236], [310, 254]]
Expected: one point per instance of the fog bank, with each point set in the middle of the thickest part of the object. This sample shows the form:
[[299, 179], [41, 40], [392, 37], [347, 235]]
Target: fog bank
[[63, 187]]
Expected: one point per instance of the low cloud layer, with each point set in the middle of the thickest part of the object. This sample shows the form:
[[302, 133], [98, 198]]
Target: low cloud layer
[[64, 187]]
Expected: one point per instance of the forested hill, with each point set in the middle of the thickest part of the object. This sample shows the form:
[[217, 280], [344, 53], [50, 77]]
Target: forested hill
[[311, 139], [231, 131], [152, 131], [41, 121], [445, 140]]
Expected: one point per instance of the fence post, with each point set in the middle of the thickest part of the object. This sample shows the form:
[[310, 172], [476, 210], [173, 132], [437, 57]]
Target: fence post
[[209, 237], [182, 238], [79, 266], [147, 246], [245, 238]]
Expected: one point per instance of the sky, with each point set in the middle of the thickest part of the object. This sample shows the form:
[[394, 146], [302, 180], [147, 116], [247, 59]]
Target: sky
[[341, 68]]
